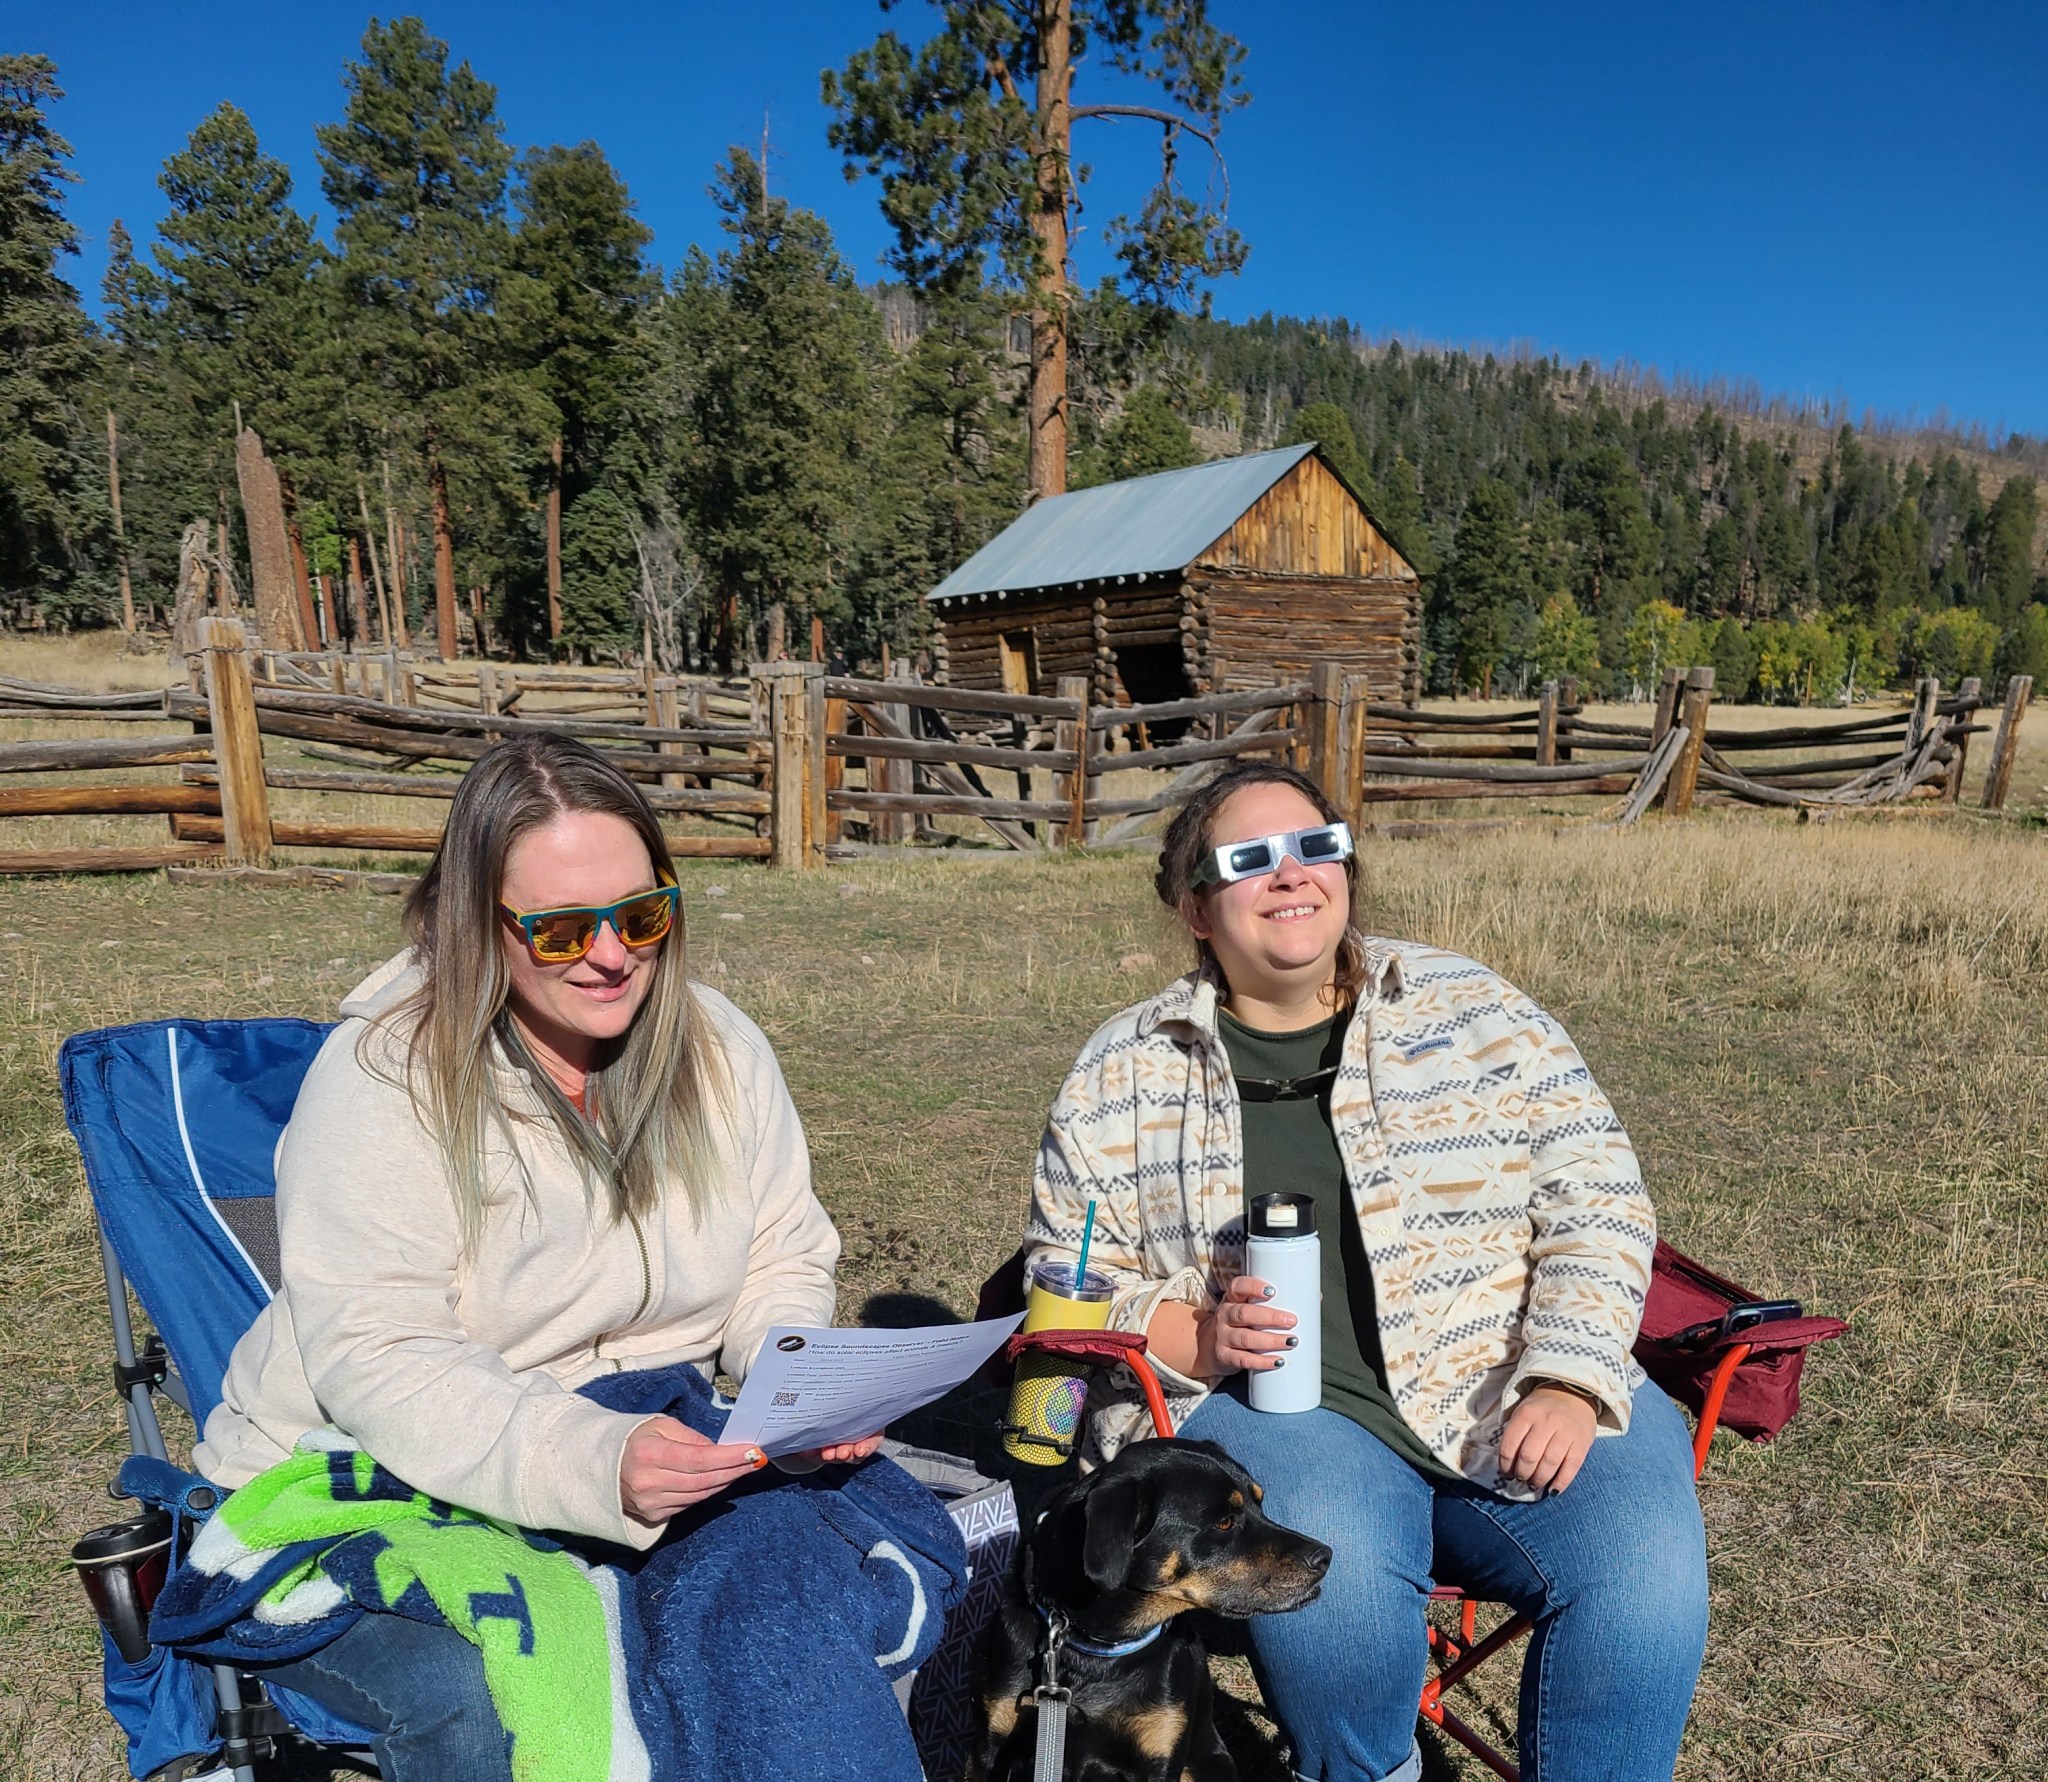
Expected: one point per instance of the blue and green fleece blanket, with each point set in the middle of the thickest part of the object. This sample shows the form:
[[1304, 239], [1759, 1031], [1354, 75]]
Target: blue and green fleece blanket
[[766, 1631]]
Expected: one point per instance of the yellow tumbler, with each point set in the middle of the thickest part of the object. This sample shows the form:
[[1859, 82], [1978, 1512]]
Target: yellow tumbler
[[1048, 1394]]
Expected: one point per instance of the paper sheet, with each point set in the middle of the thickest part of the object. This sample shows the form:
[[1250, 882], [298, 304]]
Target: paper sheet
[[810, 1387]]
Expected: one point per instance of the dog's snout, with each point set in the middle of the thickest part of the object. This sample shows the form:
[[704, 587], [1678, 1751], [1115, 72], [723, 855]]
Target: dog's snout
[[1317, 1558]]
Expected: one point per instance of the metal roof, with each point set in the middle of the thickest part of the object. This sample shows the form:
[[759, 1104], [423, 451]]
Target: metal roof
[[1143, 526]]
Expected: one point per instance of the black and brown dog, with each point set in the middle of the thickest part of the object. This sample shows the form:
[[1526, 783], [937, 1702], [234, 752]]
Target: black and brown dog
[[1108, 1565]]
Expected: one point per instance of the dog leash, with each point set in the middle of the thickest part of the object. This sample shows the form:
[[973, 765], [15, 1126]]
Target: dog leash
[[1051, 1701]]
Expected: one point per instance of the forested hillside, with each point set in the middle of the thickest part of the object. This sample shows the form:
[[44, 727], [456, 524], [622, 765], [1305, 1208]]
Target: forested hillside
[[472, 349]]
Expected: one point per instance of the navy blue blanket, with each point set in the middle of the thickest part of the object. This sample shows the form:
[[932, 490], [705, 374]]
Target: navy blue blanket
[[775, 1619]]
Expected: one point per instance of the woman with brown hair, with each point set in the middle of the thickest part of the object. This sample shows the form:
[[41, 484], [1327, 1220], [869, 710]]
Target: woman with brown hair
[[1485, 1252], [534, 1152]]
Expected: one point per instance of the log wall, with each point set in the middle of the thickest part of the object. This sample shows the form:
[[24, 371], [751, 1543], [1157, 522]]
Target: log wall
[[1252, 629], [1245, 627]]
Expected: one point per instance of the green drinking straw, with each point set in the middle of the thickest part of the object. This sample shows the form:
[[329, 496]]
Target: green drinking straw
[[1087, 1237]]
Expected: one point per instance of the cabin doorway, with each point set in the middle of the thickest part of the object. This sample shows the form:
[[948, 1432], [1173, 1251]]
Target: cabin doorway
[[1152, 674], [1019, 652]]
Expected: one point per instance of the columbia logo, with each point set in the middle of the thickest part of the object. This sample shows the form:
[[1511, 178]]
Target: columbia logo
[[1411, 1053]]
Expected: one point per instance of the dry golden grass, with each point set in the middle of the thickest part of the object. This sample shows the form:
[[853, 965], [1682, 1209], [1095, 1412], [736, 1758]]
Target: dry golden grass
[[1829, 1043], [1828, 1040], [99, 660]]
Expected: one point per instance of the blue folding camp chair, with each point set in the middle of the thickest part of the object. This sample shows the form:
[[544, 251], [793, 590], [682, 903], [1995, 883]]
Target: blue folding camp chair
[[177, 1122]]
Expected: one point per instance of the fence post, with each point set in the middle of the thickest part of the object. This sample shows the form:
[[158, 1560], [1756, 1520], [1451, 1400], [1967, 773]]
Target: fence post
[[1952, 787], [237, 743], [1072, 733], [2006, 745], [662, 713], [1567, 702], [897, 776], [815, 756], [1326, 729], [1351, 797], [1926, 695], [1546, 725], [782, 697], [1667, 705], [1685, 771], [1298, 720], [834, 769]]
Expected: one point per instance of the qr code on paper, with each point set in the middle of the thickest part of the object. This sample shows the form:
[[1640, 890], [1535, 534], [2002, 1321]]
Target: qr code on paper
[[786, 1398]]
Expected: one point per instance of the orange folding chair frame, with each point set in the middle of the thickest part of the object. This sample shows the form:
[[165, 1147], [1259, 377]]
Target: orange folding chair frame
[[1458, 1653]]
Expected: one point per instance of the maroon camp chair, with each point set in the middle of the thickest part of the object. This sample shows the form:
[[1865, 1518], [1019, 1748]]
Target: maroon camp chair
[[1732, 1359]]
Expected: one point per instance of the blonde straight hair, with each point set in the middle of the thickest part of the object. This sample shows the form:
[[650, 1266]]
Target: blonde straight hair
[[653, 1097]]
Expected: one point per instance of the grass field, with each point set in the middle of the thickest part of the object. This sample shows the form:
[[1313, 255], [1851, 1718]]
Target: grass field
[[1829, 1041], [1830, 1045]]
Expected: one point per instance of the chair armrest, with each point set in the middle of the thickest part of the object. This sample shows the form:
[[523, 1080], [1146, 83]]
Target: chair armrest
[[1105, 1348], [1710, 1411], [167, 1487]]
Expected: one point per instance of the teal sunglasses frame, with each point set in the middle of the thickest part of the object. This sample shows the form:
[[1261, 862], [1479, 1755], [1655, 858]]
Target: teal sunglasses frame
[[528, 920], [1216, 868]]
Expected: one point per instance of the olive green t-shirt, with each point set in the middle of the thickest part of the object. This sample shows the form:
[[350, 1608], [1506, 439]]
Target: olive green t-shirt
[[1289, 1147]]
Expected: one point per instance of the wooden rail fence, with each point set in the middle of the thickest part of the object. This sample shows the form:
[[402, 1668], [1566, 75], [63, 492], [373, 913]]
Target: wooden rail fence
[[796, 766]]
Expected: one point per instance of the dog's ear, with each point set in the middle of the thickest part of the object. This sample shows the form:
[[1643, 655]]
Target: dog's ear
[[1119, 1513]]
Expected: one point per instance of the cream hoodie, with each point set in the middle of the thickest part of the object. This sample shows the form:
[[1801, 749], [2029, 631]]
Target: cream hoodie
[[461, 1375]]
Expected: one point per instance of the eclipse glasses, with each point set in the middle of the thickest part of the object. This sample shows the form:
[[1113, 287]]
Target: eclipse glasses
[[1324, 845]]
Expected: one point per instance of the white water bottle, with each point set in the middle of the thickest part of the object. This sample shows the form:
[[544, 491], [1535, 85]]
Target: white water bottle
[[1282, 1249]]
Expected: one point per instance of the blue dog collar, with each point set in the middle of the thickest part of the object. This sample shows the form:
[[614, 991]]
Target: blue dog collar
[[1122, 1649]]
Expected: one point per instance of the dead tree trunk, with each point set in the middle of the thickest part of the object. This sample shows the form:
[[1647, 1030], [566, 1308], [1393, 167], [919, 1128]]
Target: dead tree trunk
[[194, 562], [120, 536], [270, 551], [309, 618], [444, 549], [358, 599], [394, 555], [555, 541]]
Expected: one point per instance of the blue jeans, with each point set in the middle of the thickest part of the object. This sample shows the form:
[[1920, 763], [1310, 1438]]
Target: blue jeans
[[1613, 1570], [419, 1688]]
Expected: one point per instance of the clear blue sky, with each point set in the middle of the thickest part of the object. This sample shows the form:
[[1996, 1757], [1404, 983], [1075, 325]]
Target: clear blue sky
[[1844, 199]]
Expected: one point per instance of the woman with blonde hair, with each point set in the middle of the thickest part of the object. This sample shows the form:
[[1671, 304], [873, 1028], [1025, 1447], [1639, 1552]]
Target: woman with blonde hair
[[1485, 1251], [532, 1154]]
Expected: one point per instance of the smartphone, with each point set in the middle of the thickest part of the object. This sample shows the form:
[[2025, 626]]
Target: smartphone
[[1737, 1320]]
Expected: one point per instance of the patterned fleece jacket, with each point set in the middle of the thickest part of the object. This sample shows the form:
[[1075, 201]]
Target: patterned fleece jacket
[[1504, 1217]]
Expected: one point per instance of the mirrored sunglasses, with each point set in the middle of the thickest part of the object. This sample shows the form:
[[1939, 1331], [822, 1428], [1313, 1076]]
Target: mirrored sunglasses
[[1323, 845], [562, 936]]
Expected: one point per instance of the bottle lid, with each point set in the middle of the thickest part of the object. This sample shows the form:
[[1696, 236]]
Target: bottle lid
[[1282, 1216], [138, 1536]]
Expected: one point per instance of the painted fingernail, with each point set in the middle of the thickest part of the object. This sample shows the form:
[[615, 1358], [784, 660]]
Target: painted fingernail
[[1266, 1293], [1292, 1341], [1279, 1361], [756, 1459]]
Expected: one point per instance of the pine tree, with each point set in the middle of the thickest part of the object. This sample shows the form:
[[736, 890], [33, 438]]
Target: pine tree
[[416, 175], [54, 517], [1148, 436], [1330, 427], [951, 471], [978, 179], [227, 293], [222, 321], [599, 572], [1486, 581], [778, 352], [575, 304], [2007, 552]]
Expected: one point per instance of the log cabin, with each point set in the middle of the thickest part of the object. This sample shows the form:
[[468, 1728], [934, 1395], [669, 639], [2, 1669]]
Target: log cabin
[[1230, 574]]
